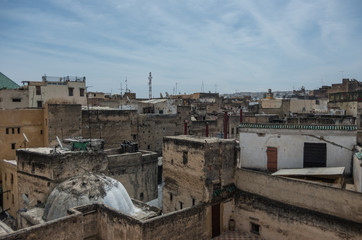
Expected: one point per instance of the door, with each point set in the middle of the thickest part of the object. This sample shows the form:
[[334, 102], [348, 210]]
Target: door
[[272, 156], [315, 155], [215, 212]]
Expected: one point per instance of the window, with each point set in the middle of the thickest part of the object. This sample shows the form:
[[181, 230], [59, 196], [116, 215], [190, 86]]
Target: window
[[38, 90], [39, 104], [171, 196], [181, 205], [141, 196], [193, 202], [18, 130], [12, 178], [254, 228], [160, 111], [12, 198], [16, 99], [13, 146], [148, 147], [7, 130], [314, 155], [184, 158], [81, 92], [70, 91], [13, 130], [41, 131]]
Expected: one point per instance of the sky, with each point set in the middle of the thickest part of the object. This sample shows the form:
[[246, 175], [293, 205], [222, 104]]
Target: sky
[[189, 46]]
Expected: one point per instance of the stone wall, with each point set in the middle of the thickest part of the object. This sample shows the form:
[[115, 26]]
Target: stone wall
[[39, 172], [278, 220], [327, 200], [62, 120], [114, 126], [193, 167], [137, 172], [67, 228]]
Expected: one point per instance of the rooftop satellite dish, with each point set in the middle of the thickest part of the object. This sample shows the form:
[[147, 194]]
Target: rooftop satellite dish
[[60, 144], [26, 199], [26, 139]]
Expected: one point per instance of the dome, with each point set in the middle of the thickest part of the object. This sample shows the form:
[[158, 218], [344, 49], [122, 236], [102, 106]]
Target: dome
[[87, 189]]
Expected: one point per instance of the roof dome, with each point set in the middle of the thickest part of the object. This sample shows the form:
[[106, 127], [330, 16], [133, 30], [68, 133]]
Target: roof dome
[[86, 189]]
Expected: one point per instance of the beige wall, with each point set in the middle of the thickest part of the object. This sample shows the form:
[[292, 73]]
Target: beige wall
[[30, 122], [58, 94], [281, 221], [10, 186], [7, 96], [336, 202]]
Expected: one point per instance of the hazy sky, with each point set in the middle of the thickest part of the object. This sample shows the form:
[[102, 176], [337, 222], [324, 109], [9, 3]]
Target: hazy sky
[[225, 45]]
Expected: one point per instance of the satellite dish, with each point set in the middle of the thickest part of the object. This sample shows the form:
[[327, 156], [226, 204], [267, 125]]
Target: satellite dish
[[60, 144], [26, 139]]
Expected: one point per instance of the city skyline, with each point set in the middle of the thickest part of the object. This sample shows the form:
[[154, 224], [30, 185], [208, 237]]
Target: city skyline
[[212, 45]]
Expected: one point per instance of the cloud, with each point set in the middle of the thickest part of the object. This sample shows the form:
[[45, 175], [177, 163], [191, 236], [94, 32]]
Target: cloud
[[244, 45]]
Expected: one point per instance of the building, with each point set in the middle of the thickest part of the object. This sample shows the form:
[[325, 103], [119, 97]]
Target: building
[[277, 146]]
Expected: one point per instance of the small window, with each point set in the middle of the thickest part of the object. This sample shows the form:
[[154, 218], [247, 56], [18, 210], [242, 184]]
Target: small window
[[148, 147], [160, 111], [81, 92], [181, 205], [184, 158], [13, 130], [7, 130], [254, 228], [39, 104], [232, 131], [12, 178], [13, 146], [141, 196], [18, 130], [171, 196], [41, 131], [12, 198], [70, 91], [193, 202], [16, 99], [38, 90]]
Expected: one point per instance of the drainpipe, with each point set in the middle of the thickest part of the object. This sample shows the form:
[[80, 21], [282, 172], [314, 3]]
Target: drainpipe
[[241, 115], [185, 127], [207, 129], [225, 125]]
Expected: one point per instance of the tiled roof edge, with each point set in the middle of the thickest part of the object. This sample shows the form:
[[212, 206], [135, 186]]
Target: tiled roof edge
[[298, 126]]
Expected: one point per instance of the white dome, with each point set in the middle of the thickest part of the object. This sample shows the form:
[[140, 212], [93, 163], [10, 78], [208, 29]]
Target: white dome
[[86, 189]]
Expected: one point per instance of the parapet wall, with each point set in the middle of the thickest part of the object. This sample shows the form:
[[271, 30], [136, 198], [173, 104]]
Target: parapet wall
[[327, 200]]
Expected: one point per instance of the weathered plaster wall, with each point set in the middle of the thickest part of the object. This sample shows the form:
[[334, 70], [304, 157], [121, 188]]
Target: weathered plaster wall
[[327, 200], [9, 186], [62, 120], [67, 228], [290, 144], [7, 96], [282, 221], [137, 172], [192, 166], [28, 121], [114, 126], [39, 172]]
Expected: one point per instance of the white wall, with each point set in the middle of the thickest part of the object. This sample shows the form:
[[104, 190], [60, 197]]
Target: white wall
[[357, 171], [290, 144]]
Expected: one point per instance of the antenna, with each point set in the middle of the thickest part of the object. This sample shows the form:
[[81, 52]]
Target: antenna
[[60, 144], [26, 139], [126, 85], [150, 86]]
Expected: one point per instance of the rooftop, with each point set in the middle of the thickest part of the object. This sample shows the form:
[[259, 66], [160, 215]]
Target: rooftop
[[7, 83], [299, 126]]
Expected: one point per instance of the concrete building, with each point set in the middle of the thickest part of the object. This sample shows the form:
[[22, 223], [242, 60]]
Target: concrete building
[[58, 90], [277, 146]]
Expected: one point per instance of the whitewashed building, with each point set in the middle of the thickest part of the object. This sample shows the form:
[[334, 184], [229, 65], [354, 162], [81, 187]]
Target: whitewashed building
[[276, 146]]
